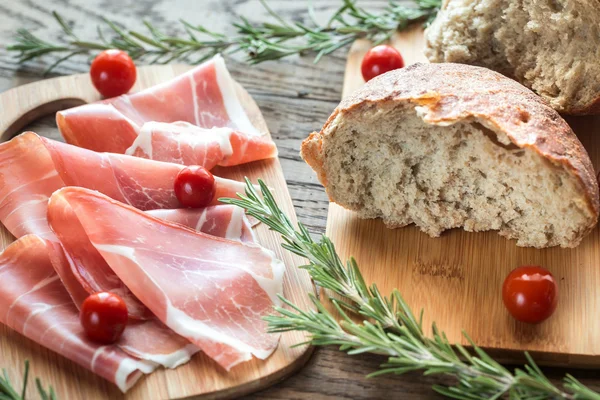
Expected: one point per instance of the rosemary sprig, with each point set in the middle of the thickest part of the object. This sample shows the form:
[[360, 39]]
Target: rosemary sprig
[[260, 42], [389, 326], [8, 392]]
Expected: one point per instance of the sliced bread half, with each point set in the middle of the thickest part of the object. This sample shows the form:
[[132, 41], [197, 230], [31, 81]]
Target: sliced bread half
[[450, 145], [550, 46]]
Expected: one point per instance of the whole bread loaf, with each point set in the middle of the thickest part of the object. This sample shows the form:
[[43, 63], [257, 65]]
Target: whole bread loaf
[[550, 46], [450, 145]]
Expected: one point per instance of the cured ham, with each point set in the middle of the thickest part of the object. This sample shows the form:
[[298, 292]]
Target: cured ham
[[103, 216], [224, 221], [148, 340], [196, 102], [210, 290], [154, 342], [34, 167], [184, 143], [87, 272], [36, 304], [83, 271]]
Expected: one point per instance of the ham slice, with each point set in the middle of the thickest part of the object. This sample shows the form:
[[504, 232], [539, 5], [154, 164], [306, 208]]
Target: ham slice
[[87, 272], [154, 342], [84, 271], [34, 167], [210, 290], [204, 97], [36, 304], [224, 221], [184, 143], [148, 340]]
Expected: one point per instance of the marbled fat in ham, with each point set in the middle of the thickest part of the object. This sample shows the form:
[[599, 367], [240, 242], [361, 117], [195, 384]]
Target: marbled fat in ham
[[34, 167], [224, 221], [34, 302], [85, 264], [90, 221], [81, 267], [212, 291], [204, 97], [93, 274], [147, 339], [184, 143]]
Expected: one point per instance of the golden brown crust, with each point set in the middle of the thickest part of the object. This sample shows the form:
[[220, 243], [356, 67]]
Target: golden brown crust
[[591, 109], [311, 153], [449, 93]]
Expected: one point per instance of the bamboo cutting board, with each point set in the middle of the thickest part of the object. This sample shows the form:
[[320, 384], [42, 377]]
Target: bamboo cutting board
[[457, 278], [201, 376]]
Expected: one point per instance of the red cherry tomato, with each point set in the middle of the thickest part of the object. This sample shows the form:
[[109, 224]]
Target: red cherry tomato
[[113, 73], [104, 316], [530, 294], [379, 60], [195, 187]]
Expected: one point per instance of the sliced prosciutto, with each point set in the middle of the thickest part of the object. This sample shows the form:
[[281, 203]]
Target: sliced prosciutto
[[34, 302], [84, 271], [148, 340], [184, 143], [210, 290], [224, 221], [34, 167], [154, 342], [205, 96], [87, 272]]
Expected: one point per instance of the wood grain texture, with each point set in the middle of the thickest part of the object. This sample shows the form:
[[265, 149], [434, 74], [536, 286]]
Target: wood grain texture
[[295, 97], [201, 377], [457, 278]]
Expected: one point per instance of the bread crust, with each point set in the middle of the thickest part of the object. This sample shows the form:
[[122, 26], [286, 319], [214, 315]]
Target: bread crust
[[450, 93], [584, 14], [592, 109]]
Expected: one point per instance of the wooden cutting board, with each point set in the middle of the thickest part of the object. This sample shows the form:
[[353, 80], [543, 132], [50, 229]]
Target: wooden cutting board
[[200, 377], [457, 278]]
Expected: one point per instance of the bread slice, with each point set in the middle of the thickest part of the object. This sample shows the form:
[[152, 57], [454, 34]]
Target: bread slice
[[450, 145], [550, 46]]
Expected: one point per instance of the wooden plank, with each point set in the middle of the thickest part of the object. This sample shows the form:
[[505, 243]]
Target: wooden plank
[[457, 278], [274, 85], [201, 377]]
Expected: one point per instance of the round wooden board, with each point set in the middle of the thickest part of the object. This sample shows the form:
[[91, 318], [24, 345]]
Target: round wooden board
[[457, 278], [201, 377]]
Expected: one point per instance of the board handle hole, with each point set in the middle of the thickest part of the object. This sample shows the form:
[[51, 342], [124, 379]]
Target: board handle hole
[[38, 112]]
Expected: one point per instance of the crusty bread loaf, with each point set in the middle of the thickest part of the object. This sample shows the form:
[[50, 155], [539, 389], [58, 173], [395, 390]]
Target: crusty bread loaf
[[550, 46], [451, 145]]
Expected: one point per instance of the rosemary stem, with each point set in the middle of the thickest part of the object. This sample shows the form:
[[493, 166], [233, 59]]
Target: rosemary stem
[[273, 40], [388, 325]]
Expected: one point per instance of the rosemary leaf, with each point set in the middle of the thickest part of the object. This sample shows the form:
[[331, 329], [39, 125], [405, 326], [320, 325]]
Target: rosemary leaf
[[270, 40], [25, 378], [389, 327], [8, 392]]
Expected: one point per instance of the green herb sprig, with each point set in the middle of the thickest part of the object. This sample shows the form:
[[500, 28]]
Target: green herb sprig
[[389, 327], [260, 42], [8, 392]]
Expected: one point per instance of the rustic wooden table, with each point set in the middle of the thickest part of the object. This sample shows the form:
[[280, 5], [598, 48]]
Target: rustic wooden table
[[295, 96]]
